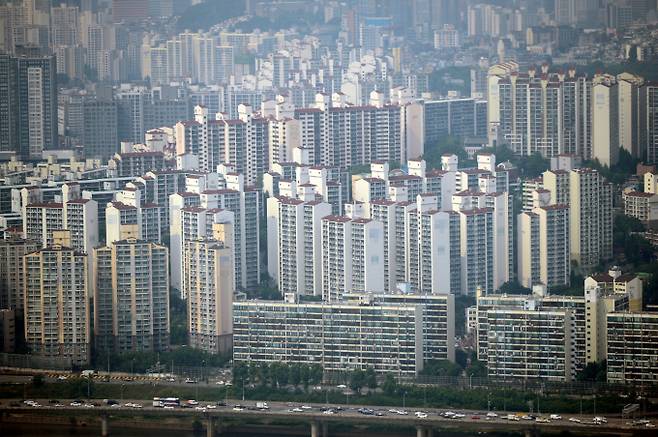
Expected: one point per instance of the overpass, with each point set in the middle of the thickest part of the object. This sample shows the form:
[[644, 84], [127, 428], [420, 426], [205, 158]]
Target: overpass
[[320, 423]]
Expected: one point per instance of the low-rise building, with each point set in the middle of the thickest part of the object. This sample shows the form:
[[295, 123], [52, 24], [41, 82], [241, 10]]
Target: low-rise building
[[338, 336], [642, 206], [632, 347]]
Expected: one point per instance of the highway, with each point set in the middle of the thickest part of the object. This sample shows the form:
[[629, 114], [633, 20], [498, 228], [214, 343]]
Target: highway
[[422, 419]]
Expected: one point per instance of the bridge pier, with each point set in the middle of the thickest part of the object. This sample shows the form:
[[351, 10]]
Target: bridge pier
[[531, 433], [105, 429], [420, 431], [315, 429], [213, 427], [325, 429]]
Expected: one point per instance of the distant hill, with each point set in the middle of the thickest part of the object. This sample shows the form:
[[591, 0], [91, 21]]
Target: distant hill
[[205, 15]]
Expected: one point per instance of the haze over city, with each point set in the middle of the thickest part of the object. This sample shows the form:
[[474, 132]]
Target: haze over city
[[328, 217]]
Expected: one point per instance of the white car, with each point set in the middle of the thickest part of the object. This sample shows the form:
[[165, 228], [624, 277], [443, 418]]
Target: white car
[[62, 378], [297, 410], [555, 417], [341, 386], [420, 415], [574, 419], [220, 383], [211, 407], [492, 414], [168, 407], [306, 407], [238, 409]]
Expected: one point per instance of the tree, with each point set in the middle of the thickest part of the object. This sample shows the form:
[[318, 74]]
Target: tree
[[449, 144], [38, 380], [316, 373], [593, 372], [357, 380], [390, 385], [240, 372], [441, 368], [477, 369], [370, 378], [294, 374], [534, 165]]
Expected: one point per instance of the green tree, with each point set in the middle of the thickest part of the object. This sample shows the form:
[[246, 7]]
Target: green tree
[[477, 369], [240, 372], [534, 165], [441, 368], [357, 380], [294, 374], [316, 373], [370, 378], [38, 380], [593, 372], [390, 385]]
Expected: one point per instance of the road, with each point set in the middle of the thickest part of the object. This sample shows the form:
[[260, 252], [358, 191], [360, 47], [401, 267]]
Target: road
[[318, 413]]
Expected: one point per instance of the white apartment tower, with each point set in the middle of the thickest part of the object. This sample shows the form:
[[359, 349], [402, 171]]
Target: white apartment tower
[[295, 244], [590, 200], [209, 287], [543, 246]]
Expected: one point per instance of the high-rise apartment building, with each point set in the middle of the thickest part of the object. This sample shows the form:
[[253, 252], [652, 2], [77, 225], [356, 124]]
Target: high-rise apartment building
[[631, 112], [352, 258], [541, 112], [77, 215], [217, 206], [64, 25], [131, 296], [649, 122], [12, 287], [242, 142], [209, 287], [606, 293], [590, 201], [57, 304], [605, 119], [28, 116], [295, 244], [543, 254]]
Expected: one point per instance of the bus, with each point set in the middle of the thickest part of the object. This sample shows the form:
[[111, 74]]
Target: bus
[[166, 402]]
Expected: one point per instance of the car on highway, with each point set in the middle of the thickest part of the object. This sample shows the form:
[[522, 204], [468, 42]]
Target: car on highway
[[341, 386], [420, 414], [238, 408], [574, 419], [555, 417], [296, 410], [492, 414]]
